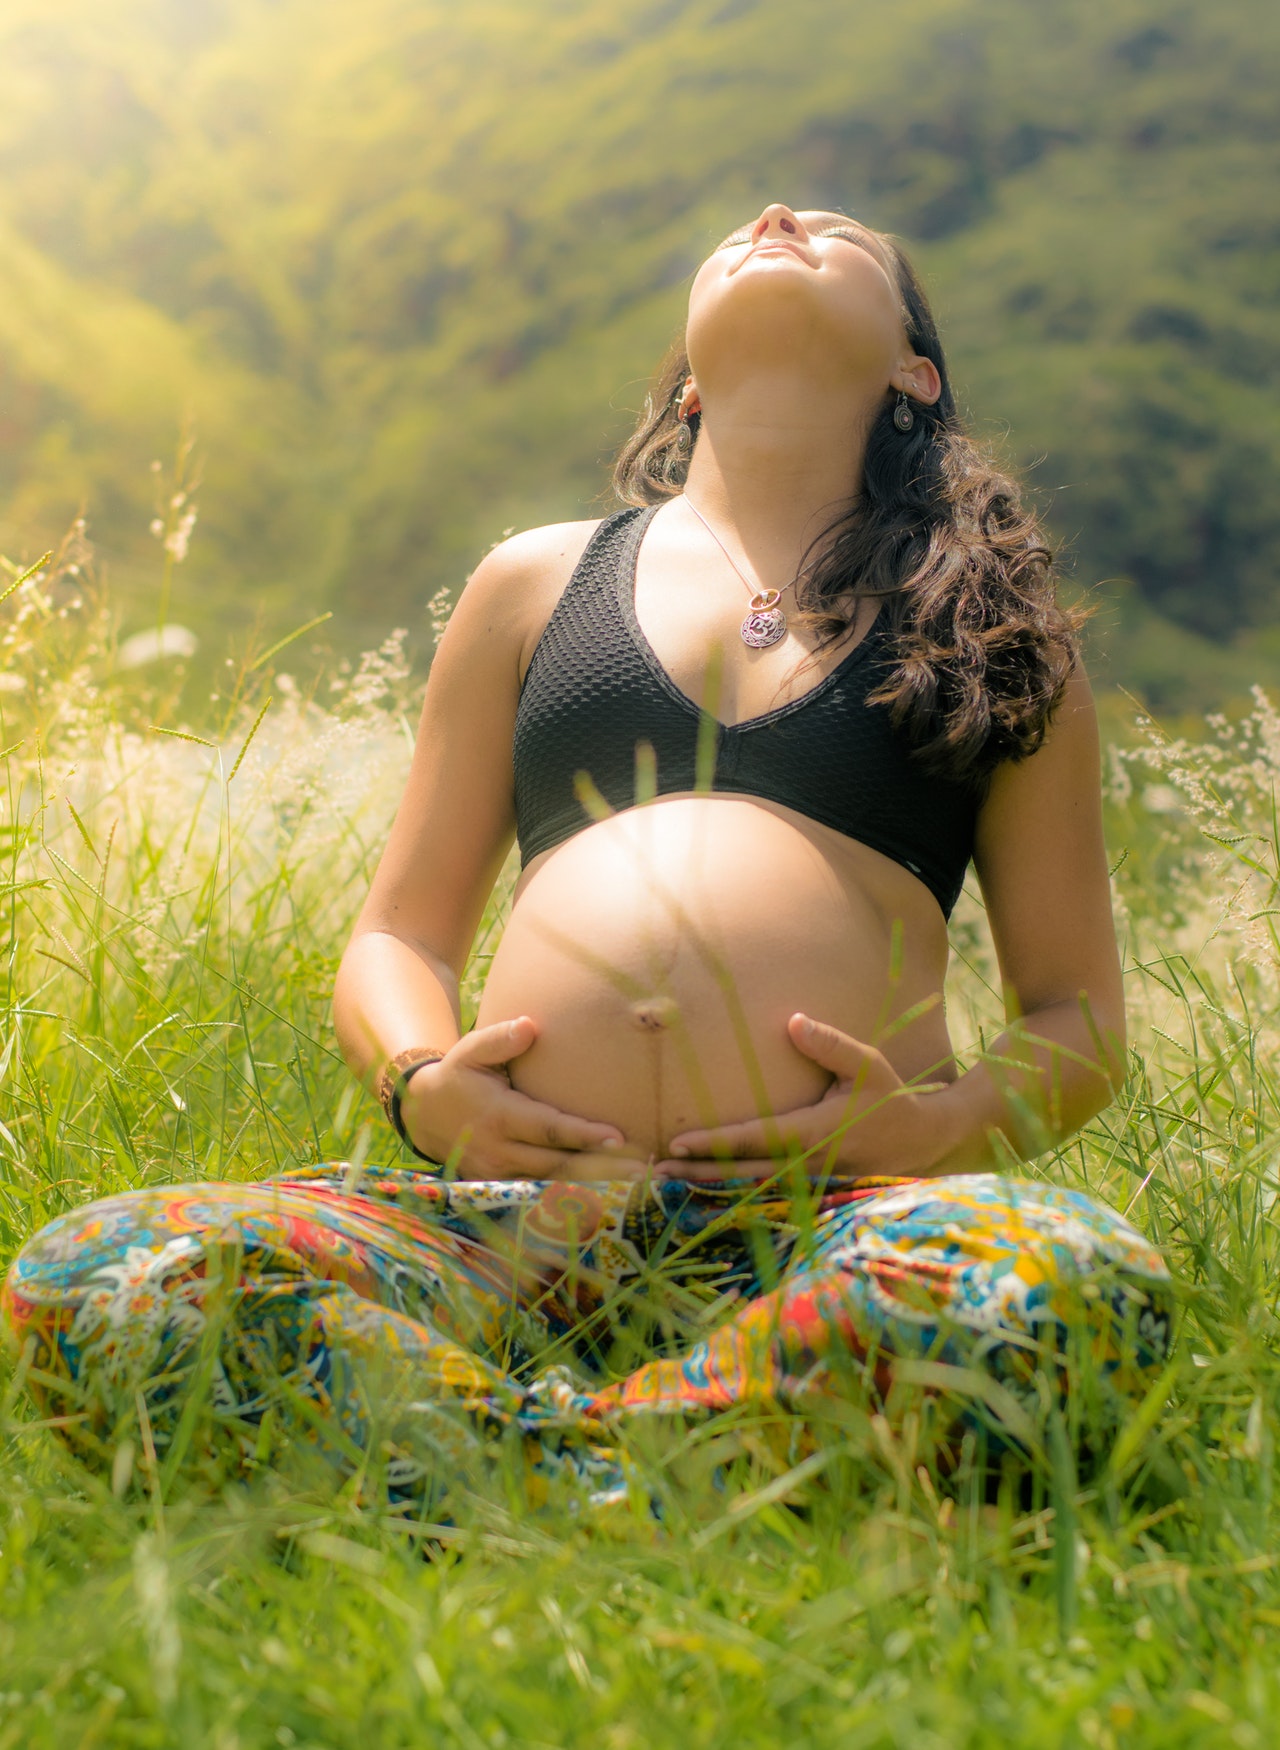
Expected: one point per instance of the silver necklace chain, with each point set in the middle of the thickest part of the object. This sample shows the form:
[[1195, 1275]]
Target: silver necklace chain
[[765, 624]]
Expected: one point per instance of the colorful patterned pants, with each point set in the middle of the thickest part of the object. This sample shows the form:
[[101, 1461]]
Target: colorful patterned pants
[[402, 1326]]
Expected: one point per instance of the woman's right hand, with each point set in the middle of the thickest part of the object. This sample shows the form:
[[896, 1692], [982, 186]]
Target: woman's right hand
[[463, 1110]]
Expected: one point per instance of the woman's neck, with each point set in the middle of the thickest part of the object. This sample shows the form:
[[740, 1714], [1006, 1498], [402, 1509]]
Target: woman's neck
[[774, 466]]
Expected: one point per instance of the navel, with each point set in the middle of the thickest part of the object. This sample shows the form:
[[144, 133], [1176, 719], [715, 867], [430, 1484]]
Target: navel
[[654, 1014]]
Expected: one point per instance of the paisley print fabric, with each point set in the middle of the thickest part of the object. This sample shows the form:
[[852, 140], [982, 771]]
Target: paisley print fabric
[[405, 1326]]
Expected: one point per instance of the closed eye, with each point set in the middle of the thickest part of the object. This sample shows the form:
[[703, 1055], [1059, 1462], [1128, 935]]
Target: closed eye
[[849, 232], [846, 231]]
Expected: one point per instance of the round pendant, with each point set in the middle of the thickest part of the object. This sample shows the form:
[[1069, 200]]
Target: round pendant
[[766, 623]]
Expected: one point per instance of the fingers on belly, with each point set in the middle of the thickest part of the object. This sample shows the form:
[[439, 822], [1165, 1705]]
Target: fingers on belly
[[655, 1067]]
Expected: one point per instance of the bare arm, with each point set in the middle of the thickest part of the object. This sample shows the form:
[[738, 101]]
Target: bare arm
[[1042, 864], [398, 982], [397, 986]]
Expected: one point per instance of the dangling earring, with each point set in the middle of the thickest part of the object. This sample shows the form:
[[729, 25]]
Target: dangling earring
[[903, 417], [684, 437]]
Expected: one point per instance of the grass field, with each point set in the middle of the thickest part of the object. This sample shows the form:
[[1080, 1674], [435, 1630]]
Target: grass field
[[173, 912]]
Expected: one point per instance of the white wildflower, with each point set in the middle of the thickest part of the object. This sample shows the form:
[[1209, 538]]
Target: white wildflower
[[178, 540], [439, 608], [167, 641]]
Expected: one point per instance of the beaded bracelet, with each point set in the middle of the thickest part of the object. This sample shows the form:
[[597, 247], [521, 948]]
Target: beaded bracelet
[[394, 1078]]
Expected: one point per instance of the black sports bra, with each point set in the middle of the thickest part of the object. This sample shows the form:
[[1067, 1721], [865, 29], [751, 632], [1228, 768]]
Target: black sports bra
[[595, 690]]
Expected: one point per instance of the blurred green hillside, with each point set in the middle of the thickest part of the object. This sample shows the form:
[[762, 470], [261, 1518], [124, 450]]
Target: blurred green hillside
[[407, 265]]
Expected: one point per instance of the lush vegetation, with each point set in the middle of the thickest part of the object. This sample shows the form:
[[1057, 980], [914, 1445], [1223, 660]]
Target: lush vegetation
[[406, 267], [173, 908], [402, 270]]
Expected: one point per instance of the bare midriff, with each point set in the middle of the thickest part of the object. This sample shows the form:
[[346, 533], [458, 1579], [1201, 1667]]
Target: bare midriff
[[661, 953]]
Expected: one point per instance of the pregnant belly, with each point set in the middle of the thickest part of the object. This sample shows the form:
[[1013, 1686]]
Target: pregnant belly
[[661, 953]]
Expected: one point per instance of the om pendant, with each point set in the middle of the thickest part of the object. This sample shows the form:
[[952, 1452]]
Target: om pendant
[[766, 623]]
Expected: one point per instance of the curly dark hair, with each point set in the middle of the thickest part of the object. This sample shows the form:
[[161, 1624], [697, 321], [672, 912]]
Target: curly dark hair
[[983, 648]]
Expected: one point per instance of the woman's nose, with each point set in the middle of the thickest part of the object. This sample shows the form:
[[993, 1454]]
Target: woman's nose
[[779, 220]]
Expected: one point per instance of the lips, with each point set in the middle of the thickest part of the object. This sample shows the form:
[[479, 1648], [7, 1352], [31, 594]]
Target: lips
[[774, 246]]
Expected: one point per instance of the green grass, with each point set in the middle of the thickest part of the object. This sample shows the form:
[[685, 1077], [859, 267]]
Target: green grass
[[407, 268], [171, 936]]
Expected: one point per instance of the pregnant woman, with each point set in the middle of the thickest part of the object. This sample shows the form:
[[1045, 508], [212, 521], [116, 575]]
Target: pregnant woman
[[749, 734]]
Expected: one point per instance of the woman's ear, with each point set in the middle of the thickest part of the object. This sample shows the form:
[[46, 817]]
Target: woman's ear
[[689, 402], [918, 377]]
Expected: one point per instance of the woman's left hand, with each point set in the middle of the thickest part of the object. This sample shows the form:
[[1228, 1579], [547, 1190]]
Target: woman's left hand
[[870, 1123]]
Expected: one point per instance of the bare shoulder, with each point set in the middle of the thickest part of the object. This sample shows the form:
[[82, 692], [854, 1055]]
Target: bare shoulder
[[1063, 777], [553, 544], [514, 589], [1077, 715]]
